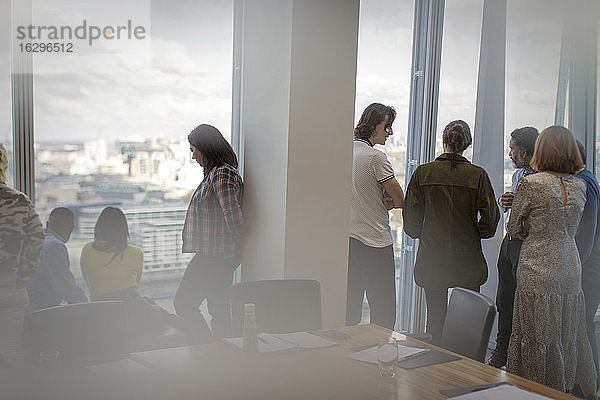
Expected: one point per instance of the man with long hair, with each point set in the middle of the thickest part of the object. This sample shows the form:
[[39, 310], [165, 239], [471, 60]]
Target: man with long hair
[[374, 190]]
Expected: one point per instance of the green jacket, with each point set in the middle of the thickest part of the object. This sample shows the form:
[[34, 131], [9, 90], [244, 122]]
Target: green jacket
[[450, 206]]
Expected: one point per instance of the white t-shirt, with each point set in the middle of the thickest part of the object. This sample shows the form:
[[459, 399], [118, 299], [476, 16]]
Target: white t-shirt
[[369, 219]]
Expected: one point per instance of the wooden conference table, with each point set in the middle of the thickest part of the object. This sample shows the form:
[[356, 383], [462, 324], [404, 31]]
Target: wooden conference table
[[222, 371]]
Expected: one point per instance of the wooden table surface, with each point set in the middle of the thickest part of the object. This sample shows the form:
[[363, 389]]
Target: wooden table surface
[[222, 371]]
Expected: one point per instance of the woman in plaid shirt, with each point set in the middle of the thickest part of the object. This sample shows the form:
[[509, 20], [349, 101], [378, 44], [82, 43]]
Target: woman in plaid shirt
[[214, 231]]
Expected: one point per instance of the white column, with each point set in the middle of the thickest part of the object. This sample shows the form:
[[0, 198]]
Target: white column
[[298, 78], [488, 143]]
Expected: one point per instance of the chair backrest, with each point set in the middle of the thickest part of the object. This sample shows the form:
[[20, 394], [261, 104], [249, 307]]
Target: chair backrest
[[468, 323], [77, 331], [287, 305]]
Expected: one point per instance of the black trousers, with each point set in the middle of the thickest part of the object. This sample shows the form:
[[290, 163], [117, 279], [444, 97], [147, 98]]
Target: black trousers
[[371, 269], [437, 305], [206, 278], [508, 259], [591, 290]]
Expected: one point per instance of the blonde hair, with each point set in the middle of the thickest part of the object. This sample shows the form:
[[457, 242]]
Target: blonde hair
[[3, 163], [556, 150]]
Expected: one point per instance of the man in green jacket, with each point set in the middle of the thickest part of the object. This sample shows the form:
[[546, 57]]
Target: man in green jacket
[[449, 206]]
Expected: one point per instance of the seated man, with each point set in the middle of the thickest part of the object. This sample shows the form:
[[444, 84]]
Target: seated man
[[53, 283]]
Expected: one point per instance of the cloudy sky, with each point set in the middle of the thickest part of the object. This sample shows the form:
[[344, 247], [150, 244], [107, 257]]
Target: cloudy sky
[[181, 75]]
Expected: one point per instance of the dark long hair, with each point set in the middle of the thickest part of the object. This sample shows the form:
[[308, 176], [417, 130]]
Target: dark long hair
[[216, 151], [111, 233]]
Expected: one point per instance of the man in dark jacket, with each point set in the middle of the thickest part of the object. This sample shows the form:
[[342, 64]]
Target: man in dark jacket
[[588, 244], [522, 146], [449, 206]]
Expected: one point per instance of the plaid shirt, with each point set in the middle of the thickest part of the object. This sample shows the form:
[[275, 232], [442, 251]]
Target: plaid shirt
[[21, 234], [214, 221]]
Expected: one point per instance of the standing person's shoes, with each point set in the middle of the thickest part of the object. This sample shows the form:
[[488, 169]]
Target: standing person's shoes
[[497, 359]]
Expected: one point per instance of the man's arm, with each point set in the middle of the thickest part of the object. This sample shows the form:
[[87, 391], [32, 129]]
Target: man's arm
[[394, 191], [414, 208], [505, 201], [488, 210]]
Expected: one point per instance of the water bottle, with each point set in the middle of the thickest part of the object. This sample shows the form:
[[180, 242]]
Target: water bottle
[[249, 339]]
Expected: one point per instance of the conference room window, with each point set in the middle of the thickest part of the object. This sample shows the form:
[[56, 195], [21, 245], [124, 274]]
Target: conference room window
[[533, 48], [596, 139], [383, 76], [459, 67], [112, 118], [5, 109]]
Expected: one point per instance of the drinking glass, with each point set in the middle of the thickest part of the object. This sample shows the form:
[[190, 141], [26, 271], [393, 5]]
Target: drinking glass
[[387, 356]]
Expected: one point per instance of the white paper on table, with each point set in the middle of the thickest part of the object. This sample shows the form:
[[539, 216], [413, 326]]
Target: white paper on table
[[502, 392], [304, 340], [370, 355], [266, 343]]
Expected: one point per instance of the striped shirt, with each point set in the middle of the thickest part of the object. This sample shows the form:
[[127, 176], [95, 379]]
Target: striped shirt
[[21, 234], [369, 218], [214, 221]]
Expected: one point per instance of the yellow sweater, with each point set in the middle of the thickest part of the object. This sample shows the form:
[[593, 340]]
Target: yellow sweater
[[123, 272]]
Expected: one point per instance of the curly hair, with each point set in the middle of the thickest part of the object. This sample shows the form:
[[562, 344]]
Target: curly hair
[[373, 115], [457, 136]]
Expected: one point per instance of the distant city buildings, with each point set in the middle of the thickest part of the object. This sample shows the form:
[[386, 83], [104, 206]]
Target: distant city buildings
[[151, 179]]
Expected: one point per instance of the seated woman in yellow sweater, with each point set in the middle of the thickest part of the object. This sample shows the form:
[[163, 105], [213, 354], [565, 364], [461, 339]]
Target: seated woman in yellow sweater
[[113, 269], [110, 265]]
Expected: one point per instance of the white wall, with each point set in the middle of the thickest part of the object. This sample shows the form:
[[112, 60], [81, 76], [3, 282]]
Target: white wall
[[264, 124], [298, 87]]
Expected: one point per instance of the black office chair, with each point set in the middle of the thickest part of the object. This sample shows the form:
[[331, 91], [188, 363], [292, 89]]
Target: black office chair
[[78, 331], [468, 323], [282, 306]]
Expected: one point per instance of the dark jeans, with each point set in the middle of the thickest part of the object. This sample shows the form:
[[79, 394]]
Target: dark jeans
[[591, 290], [508, 259], [371, 269], [206, 278], [437, 305]]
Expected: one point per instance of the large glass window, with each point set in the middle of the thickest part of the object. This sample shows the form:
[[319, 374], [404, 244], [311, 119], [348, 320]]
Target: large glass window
[[533, 45], [460, 65], [597, 141], [112, 118], [5, 109], [383, 76]]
